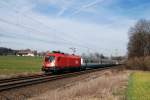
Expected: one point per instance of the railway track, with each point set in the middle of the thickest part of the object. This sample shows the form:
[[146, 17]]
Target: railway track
[[20, 78], [13, 83]]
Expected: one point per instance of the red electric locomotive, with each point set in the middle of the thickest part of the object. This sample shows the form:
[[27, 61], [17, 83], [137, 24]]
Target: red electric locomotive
[[56, 61]]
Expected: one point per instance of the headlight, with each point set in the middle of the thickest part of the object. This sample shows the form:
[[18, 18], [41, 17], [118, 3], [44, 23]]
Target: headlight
[[53, 64]]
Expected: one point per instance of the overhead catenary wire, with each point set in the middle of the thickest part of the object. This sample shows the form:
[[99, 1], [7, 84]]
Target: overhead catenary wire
[[39, 39], [40, 23], [43, 24]]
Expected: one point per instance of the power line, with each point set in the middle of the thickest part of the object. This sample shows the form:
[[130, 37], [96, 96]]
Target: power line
[[14, 35], [46, 41], [39, 39], [32, 29], [33, 19], [19, 25], [22, 26]]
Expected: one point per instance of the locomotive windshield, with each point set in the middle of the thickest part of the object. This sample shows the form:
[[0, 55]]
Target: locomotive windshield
[[49, 58]]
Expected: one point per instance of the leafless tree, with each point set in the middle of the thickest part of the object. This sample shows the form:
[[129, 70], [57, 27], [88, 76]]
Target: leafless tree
[[93, 57], [139, 39]]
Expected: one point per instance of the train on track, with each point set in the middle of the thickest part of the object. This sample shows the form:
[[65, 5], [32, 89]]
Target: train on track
[[57, 61]]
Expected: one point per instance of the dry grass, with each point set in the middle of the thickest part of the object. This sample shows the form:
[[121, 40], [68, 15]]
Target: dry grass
[[109, 86], [142, 63]]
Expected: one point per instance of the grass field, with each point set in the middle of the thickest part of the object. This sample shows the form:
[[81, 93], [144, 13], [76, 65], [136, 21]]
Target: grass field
[[15, 64], [139, 86]]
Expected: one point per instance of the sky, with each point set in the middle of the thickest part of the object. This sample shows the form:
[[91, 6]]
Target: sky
[[87, 25]]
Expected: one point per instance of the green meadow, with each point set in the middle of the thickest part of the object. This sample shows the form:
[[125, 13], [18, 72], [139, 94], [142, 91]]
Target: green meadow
[[19, 64], [139, 86]]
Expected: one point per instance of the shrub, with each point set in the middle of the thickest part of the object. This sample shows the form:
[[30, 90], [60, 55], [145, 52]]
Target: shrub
[[139, 63]]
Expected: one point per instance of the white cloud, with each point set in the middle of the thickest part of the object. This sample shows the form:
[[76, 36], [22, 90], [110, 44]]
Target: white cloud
[[35, 30]]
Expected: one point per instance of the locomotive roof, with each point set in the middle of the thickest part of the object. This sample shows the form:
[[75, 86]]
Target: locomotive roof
[[61, 54]]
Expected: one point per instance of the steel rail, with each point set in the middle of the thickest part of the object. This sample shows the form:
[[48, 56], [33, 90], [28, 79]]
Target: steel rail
[[20, 78], [21, 82]]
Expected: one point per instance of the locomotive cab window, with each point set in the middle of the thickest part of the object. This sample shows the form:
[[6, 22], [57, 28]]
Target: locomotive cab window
[[49, 58]]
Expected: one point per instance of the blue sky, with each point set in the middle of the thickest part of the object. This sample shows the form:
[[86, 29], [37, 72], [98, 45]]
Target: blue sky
[[88, 25]]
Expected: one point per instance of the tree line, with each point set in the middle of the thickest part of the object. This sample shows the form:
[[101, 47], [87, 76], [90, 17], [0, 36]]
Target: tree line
[[139, 39], [139, 45], [7, 51]]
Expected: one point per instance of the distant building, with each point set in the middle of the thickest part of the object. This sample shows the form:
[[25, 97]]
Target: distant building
[[26, 52]]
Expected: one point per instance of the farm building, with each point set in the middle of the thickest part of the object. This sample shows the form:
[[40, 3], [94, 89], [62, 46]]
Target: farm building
[[26, 52]]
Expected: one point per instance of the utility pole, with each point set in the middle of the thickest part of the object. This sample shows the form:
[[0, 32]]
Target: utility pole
[[73, 50]]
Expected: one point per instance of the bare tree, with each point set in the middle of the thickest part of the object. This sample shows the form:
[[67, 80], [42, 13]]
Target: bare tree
[[139, 39], [93, 57]]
